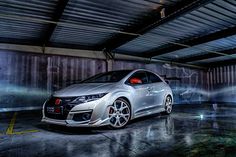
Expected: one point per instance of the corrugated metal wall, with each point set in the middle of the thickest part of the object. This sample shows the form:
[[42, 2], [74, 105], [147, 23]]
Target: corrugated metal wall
[[26, 80], [222, 83]]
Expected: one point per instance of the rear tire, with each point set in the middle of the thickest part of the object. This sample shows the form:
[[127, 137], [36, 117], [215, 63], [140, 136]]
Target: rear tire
[[168, 105], [119, 114]]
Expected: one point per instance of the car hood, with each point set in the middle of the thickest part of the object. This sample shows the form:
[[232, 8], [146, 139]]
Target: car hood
[[84, 89]]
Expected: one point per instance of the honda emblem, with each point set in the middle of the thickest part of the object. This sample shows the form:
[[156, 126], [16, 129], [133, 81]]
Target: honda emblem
[[57, 101]]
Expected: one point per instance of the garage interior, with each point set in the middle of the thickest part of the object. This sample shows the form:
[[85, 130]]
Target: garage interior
[[48, 45]]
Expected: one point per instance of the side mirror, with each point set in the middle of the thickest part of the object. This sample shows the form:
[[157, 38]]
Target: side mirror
[[135, 81]]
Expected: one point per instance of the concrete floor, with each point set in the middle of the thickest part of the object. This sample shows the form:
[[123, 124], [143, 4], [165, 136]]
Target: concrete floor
[[189, 131]]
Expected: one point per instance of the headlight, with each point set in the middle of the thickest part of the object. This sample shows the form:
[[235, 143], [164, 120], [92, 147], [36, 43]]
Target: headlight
[[87, 98]]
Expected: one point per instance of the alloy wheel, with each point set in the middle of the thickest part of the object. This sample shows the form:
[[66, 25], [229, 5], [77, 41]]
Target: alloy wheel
[[119, 113], [168, 105]]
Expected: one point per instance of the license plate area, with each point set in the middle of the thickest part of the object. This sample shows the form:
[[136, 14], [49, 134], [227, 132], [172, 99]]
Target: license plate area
[[55, 110]]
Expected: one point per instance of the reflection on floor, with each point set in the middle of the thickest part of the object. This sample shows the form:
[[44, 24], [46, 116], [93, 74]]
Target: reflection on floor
[[191, 131]]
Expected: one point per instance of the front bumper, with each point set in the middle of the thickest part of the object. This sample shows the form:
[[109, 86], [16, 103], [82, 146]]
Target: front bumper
[[71, 123], [99, 116]]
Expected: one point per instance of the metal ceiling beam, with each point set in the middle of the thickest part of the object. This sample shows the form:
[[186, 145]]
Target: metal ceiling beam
[[219, 63], [56, 17], [19, 41], [206, 56], [70, 46], [152, 20], [190, 43], [86, 54]]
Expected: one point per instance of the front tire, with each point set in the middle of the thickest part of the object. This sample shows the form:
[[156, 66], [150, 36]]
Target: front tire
[[119, 113], [168, 105]]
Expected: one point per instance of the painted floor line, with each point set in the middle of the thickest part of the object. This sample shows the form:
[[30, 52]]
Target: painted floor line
[[11, 125], [24, 132], [10, 129]]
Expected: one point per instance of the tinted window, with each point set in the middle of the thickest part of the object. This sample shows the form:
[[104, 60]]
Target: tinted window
[[140, 75], [152, 78], [112, 76]]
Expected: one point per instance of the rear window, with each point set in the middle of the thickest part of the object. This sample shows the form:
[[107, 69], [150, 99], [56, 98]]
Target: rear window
[[153, 78]]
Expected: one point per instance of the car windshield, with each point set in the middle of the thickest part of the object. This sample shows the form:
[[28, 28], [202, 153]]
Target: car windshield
[[108, 77]]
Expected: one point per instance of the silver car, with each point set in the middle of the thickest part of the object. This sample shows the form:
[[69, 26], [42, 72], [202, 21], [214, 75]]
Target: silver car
[[112, 98]]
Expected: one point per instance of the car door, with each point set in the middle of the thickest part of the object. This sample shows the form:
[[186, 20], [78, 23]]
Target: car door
[[157, 88], [143, 100]]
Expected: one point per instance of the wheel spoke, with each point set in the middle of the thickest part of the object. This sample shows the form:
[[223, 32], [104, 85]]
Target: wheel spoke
[[123, 107], [126, 114], [126, 119], [112, 115], [118, 122]]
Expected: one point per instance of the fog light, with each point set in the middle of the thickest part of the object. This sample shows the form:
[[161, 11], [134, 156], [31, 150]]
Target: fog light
[[86, 116]]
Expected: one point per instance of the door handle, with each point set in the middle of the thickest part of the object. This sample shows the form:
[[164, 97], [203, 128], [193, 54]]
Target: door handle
[[149, 88]]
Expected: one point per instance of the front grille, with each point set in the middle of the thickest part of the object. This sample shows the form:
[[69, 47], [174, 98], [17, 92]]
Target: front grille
[[64, 105]]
